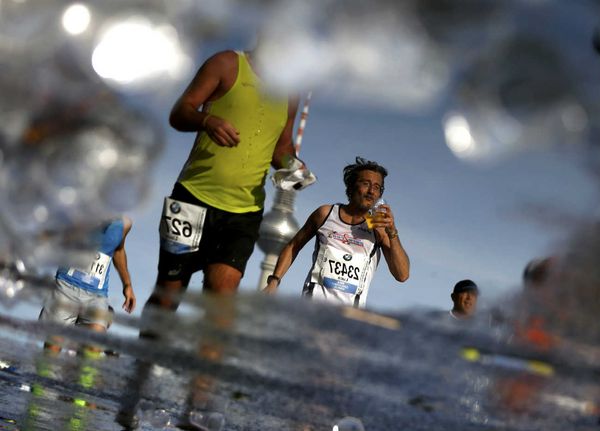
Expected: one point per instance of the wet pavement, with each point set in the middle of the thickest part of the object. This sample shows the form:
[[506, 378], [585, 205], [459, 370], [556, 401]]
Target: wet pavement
[[263, 363]]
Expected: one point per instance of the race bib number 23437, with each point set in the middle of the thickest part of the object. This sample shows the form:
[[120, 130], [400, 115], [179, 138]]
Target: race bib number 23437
[[181, 226], [342, 271]]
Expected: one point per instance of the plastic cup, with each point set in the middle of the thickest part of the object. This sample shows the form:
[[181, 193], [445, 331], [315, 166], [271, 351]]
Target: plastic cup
[[375, 214]]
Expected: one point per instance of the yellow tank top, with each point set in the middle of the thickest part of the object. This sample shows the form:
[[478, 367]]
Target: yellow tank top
[[233, 179]]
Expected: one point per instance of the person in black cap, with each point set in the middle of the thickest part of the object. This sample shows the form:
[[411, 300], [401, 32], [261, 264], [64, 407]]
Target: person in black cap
[[464, 296]]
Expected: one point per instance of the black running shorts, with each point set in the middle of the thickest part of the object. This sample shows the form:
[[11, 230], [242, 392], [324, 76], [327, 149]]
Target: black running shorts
[[227, 238]]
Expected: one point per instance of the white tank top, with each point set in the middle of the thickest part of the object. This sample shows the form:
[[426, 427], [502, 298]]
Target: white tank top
[[344, 261]]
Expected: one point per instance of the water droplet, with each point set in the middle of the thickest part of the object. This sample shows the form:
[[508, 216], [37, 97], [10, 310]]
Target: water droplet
[[209, 421], [349, 423], [159, 418]]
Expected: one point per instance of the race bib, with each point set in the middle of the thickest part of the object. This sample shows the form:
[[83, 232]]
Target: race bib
[[342, 271], [181, 226], [95, 273]]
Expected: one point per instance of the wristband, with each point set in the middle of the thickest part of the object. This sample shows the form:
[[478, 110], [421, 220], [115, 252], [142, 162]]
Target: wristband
[[393, 234], [273, 277], [205, 120]]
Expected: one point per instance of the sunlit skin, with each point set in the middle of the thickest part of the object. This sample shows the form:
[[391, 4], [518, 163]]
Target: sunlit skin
[[465, 303]]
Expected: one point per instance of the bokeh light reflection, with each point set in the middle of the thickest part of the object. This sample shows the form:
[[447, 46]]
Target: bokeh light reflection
[[76, 18], [379, 57], [458, 135], [516, 96], [136, 49]]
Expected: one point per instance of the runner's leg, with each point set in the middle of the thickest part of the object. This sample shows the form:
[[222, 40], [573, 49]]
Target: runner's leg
[[167, 294], [221, 278]]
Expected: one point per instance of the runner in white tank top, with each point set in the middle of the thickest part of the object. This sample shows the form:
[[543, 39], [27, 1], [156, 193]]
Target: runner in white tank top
[[346, 251], [344, 260]]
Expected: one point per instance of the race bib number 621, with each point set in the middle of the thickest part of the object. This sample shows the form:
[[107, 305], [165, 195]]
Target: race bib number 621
[[181, 226]]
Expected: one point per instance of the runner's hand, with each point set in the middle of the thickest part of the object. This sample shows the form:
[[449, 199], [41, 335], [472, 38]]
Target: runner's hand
[[386, 222], [221, 132], [271, 288], [129, 303]]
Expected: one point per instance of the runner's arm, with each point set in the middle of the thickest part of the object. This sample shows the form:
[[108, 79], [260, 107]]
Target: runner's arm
[[291, 250], [284, 149], [395, 256], [212, 80], [120, 262]]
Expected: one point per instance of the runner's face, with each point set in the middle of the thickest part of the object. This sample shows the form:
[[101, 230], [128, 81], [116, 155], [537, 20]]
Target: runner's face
[[465, 302], [367, 189]]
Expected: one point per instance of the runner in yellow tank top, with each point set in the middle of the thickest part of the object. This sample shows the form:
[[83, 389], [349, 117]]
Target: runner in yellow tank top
[[232, 178], [219, 196], [241, 131]]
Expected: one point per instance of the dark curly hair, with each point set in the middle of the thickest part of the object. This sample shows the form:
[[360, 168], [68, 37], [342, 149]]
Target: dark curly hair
[[351, 173]]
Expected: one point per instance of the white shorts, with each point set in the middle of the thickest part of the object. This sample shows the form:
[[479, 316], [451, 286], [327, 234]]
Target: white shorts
[[74, 306]]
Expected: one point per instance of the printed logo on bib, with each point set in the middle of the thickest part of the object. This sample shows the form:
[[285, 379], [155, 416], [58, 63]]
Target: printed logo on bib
[[341, 271], [95, 274], [181, 226], [346, 238], [175, 207]]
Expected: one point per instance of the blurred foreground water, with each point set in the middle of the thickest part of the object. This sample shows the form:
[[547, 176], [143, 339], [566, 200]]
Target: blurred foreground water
[[262, 363]]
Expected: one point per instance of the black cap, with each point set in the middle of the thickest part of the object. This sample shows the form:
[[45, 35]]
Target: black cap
[[466, 286]]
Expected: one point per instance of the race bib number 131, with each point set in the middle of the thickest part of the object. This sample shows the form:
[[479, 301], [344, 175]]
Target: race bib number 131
[[181, 226]]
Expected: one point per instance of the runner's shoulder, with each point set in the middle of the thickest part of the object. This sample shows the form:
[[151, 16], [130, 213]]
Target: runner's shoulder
[[221, 59], [320, 214]]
